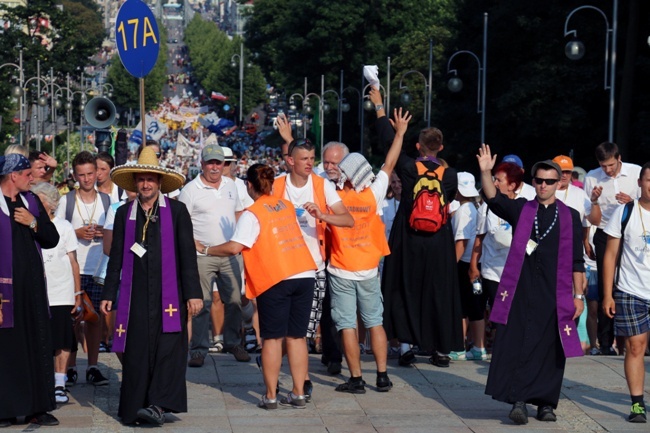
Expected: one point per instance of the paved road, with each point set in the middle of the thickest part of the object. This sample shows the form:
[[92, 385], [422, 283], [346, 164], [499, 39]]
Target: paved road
[[222, 397]]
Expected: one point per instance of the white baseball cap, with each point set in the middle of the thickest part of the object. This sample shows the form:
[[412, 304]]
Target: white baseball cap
[[467, 184]]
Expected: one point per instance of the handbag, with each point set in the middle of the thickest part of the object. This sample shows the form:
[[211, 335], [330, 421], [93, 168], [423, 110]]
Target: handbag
[[89, 313]]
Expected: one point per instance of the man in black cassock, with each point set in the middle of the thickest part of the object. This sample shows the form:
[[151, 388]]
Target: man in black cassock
[[540, 294], [26, 362], [151, 320]]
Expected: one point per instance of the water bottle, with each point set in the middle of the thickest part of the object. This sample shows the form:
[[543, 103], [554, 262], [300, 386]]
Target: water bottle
[[477, 288]]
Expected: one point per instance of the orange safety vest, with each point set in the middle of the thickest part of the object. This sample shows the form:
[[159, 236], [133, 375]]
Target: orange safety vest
[[280, 250], [361, 247], [280, 185]]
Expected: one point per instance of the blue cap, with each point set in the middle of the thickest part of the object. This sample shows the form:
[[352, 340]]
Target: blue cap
[[513, 159]]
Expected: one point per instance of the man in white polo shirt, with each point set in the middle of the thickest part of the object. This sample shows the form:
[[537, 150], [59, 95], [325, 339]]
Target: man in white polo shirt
[[213, 204], [612, 184]]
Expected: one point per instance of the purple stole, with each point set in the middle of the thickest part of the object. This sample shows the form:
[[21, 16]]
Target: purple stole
[[171, 316], [6, 264], [564, 292]]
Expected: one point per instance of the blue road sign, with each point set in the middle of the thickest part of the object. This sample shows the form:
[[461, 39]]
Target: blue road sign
[[137, 37]]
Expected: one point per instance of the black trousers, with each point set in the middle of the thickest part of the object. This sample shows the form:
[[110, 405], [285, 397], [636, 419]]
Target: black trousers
[[605, 324], [329, 337]]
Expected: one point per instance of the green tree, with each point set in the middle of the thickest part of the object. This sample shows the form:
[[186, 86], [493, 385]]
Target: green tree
[[212, 66]]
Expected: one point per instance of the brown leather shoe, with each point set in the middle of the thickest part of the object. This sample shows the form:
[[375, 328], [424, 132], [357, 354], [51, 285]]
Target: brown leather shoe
[[240, 353], [196, 360]]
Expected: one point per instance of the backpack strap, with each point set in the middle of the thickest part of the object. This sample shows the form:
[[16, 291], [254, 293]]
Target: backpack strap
[[69, 204], [625, 218], [106, 201]]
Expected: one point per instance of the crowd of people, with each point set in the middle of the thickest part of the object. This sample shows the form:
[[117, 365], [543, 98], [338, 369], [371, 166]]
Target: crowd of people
[[410, 260]]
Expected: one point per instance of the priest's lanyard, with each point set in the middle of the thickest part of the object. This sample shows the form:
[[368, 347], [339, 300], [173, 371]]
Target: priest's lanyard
[[539, 238], [151, 217]]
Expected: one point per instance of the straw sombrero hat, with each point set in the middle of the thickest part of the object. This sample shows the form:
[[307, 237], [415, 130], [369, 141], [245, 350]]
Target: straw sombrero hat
[[122, 175]]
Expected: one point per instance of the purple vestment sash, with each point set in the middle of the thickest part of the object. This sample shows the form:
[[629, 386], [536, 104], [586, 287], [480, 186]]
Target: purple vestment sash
[[171, 317], [564, 292], [6, 264]]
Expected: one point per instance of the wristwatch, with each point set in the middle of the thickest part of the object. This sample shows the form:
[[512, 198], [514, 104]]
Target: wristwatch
[[379, 107], [33, 224], [581, 297]]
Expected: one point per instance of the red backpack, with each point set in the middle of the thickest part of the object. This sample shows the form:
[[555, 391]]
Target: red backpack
[[430, 208]]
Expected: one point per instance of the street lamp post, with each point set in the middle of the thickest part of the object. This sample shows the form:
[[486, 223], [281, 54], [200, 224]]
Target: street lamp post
[[406, 97], [241, 80], [17, 91], [575, 50], [455, 84]]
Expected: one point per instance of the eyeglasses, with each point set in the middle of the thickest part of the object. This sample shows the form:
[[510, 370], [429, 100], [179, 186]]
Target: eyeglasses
[[303, 143], [541, 180]]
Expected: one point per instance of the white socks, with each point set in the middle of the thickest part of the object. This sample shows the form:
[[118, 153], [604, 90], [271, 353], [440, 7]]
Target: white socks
[[59, 379]]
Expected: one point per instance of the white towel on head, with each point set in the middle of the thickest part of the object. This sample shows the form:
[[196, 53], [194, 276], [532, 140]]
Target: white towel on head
[[371, 73], [357, 170]]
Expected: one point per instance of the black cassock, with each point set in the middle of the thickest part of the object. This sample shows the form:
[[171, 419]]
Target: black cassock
[[154, 363], [420, 277], [527, 358], [26, 363]]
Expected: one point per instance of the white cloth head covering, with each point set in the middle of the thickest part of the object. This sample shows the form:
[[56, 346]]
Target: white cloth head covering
[[356, 169]]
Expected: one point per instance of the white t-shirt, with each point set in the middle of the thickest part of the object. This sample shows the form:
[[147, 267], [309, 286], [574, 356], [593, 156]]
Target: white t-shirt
[[577, 199], [248, 230], [58, 269], [635, 258], [298, 197], [110, 215], [463, 223], [626, 181], [244, 198], [496, 243], [89, 253], [212, 210], [379, 188], [526, 191]]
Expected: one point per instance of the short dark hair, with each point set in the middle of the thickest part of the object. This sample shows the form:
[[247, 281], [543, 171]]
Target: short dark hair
[[302, 143], [431, 139], [645, 167], [34, 155], [107, 158], [606, 150], [84, 157]]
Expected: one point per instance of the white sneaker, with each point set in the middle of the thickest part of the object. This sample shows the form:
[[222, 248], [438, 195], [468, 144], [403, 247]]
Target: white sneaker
[[217, 347], [60, 395]]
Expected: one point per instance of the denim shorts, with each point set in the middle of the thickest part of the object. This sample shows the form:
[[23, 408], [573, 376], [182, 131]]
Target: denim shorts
[[632, 315], [348, 294], [592, 284]]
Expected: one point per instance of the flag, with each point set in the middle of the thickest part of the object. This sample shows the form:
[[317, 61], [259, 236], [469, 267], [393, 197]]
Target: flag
[[219, 96], [182, 146]]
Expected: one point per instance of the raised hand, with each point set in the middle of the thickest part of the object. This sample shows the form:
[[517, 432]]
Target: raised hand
[[401, 121], [486, 160]]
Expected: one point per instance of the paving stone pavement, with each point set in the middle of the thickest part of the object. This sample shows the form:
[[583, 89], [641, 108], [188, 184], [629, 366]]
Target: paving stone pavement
[[222, 397]]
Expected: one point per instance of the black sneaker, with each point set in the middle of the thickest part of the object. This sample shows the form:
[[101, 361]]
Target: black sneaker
[[152, 414], [519, 413], [356, 387], [384, 384], [308, 388], [43, 418], [94, 376], [440, 360], [71, 377], [334, 368], [406, 359], [240, 353], [103, 348], [637, 413], [545, 413]]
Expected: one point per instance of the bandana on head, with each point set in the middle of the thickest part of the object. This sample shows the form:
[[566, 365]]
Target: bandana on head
[[12, 163], [357, 170]]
